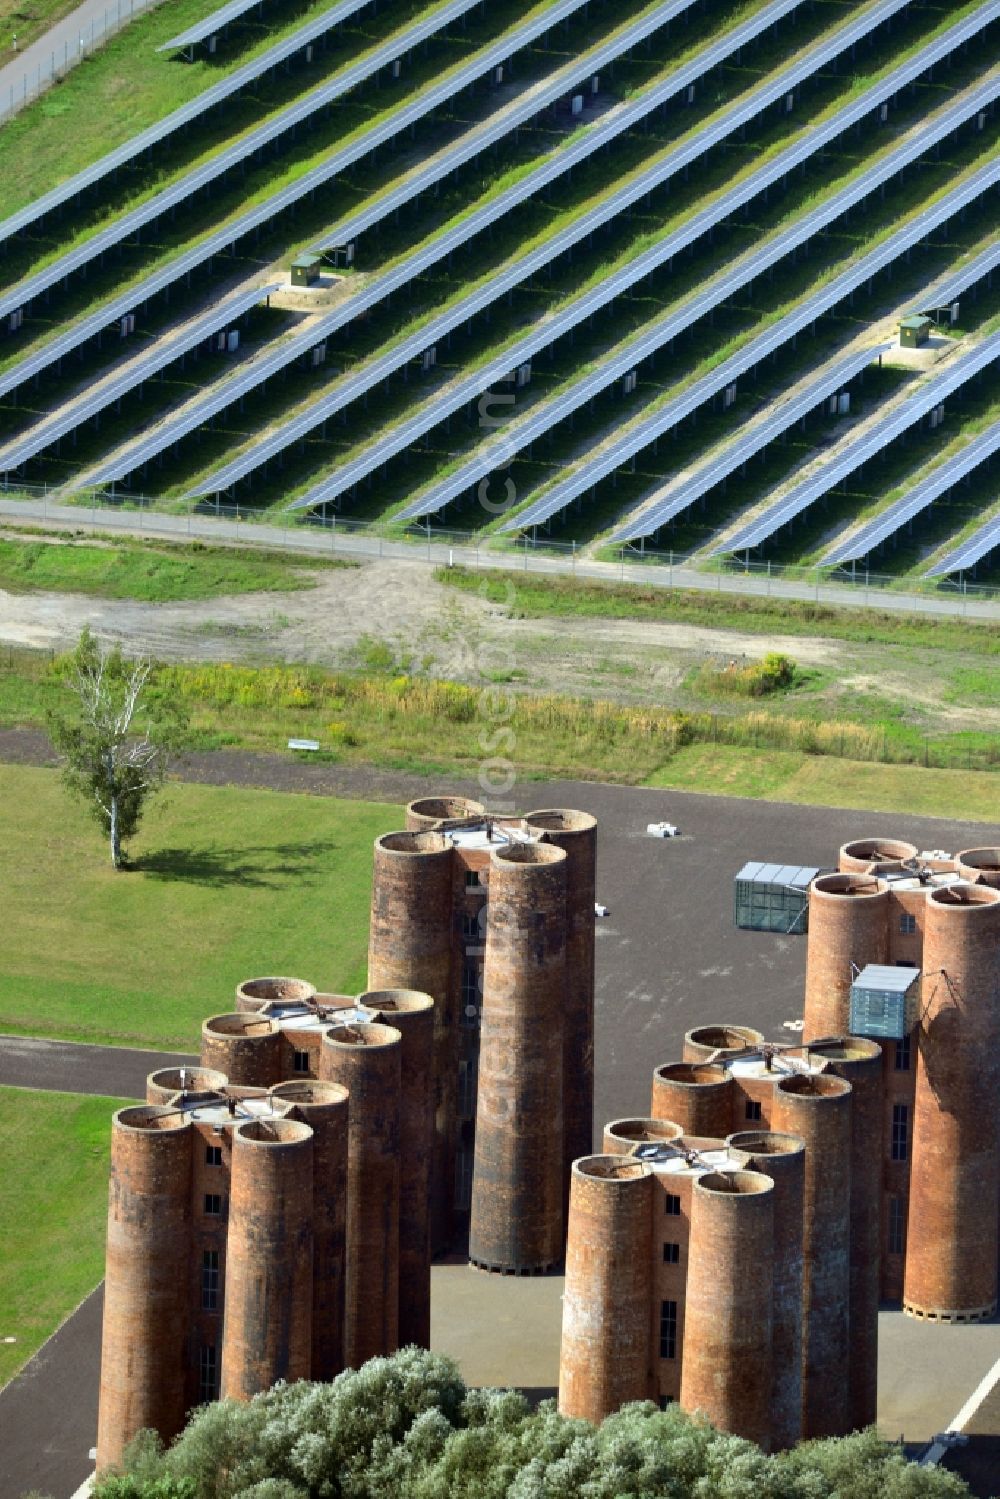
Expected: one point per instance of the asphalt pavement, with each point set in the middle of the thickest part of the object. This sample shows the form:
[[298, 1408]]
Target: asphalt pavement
[[67, 1067]]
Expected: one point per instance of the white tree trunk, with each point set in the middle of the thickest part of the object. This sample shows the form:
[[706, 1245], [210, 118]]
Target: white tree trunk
[[116, 842]]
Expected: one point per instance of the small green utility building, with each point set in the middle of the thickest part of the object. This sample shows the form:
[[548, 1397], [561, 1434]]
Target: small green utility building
[[914, 331], [305, 270]]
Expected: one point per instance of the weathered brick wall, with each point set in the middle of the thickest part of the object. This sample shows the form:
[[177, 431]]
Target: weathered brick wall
[[605, 1358], [951, 1251]]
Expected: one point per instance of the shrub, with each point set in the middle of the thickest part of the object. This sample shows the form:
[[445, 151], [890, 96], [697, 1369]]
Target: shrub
[[408, 1426]]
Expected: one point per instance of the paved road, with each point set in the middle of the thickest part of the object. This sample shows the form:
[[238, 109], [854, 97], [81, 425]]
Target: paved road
[[67, 1067], [361, 543], [48, 1416], [29, 72]]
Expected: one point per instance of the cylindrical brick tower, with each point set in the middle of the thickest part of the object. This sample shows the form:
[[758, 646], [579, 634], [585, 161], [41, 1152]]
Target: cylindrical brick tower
[[848, 923], [412, 1014], [951, 1244], [247, 1048], [859, 1062], [728, 1320], [268, 1326], [516, 1220], [576, 833], [621, 1136], [817, 1108], [145, 1289], [980, 866], [782, 1158], [423, 814], [697, 1097], [366, 1060], [163, 1085], [324, 1107], [253, 994], [862, 853], [719, 1041], [410, 946], [604, 1359]]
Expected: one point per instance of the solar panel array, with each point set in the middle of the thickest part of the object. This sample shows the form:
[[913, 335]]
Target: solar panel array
[[956, 466], [677, 494], [214, 401], [616, 351], [453, 81], [105, 392], [672, 162], [470, 143], [611, 367], [852, 454], [233, 82]]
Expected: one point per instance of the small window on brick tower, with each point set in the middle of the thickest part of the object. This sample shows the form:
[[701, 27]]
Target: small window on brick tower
[[907, 924], [900, 1129], [213, 1155], [300, 1061], [901, 1061], [668, 1329], [208, 1376], [472, 879], [210, 1280], [895, 1236], [672, 1205], [671, 1254], [213, 1204], [753, 1108]]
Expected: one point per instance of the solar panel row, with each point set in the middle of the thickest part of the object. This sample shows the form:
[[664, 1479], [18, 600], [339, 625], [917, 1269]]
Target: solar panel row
[[961, 278], [209, 26], [985, 539], [612, 366], [923, 494], [852, 454]]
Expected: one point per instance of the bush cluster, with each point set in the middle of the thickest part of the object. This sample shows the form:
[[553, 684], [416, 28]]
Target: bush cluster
[[772, 673], [407, 1427]]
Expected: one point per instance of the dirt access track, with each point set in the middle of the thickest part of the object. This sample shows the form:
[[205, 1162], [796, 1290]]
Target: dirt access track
[[393, 613]]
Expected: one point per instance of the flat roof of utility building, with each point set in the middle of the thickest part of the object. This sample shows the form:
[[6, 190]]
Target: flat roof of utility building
[[888, 978], [797, 876]]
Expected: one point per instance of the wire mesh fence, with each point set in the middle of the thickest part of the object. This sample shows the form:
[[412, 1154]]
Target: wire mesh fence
[[536, 555], [63, 49]]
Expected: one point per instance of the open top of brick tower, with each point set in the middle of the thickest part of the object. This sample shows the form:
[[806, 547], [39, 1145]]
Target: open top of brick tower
[[622, 1135], [254, 994], [711, 1042], [865, 854], [428, 810], [979, 865]]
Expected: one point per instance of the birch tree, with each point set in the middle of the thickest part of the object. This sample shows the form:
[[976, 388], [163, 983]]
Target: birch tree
[[117, 739]]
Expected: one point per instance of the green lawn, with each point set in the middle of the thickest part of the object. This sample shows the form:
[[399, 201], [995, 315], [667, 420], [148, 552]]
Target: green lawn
[[153, 572], [227, 883], [825, 781], [53, 1219]]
